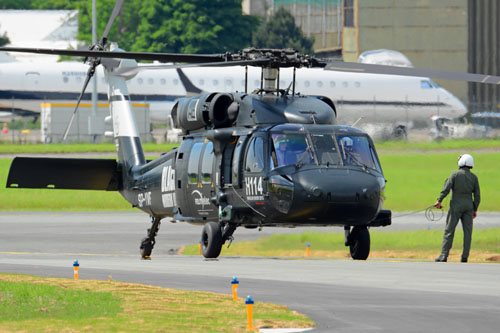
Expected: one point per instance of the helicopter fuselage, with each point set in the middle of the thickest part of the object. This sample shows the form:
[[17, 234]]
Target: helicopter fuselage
[[268, 158], [234, 174]]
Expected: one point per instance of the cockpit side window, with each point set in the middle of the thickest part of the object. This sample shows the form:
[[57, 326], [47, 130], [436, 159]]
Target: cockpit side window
[[237, 161], [374, 157], [255, 155]]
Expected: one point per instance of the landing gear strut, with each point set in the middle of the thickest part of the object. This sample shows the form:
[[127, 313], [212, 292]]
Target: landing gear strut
[[148, 243], [358, 241]]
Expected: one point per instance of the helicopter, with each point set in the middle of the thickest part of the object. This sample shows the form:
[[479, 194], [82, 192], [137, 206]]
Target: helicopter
[[268, 158]]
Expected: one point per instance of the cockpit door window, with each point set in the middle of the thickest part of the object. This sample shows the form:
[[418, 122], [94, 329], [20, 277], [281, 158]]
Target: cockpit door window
[[237, 161], [254, 162]]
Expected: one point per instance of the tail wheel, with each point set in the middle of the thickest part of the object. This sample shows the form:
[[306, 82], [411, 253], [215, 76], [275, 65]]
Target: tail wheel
[[359, 243], [211, 240], [146, 248]]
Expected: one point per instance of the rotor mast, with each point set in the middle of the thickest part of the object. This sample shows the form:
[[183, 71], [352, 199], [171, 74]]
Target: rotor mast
[[270, 76], [272, 61]]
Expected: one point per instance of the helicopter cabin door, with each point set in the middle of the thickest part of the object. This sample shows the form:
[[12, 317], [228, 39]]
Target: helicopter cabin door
[[254, 170], [200, 183]]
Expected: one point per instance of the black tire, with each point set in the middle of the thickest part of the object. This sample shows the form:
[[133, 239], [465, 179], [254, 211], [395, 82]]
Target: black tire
[[211, 240], [146, 248], [359, 243]]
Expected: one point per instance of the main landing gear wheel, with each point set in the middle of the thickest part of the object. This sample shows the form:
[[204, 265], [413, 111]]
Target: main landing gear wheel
[[359, 243], [211, 240]]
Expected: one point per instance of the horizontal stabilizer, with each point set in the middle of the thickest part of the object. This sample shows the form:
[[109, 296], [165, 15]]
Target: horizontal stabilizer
[[64, 173]]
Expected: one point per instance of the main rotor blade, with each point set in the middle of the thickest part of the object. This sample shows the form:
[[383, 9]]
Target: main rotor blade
[[134, 70], [114, 14], [206, 59], [164, 57], [408, 71], [90, 73]]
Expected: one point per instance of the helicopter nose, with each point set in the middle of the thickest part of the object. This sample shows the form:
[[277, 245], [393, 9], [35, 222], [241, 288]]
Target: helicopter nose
[[343, 196]]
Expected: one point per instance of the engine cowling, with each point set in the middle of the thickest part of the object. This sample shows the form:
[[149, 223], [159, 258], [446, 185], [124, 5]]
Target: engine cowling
[[211, 109]]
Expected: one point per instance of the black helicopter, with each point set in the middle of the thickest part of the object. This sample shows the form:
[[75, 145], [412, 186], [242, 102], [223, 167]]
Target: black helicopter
[[267, 158], [272, 157]]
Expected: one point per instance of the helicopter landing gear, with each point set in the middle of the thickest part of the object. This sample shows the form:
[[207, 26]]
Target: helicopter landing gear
[[148, 243], [358, 241], [211, 240], [227, 233]]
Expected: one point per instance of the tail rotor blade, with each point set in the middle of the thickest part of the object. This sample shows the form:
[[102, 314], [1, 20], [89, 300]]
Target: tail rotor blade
[[66, 131], [114, 14], [90, 73]]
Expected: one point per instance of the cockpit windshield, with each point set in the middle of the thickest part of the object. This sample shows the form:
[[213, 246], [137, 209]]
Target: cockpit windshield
[[356, 150], [322, 149], [325, 149]]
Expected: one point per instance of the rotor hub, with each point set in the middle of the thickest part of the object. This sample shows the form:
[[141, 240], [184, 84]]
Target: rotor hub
[[277, 57]]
